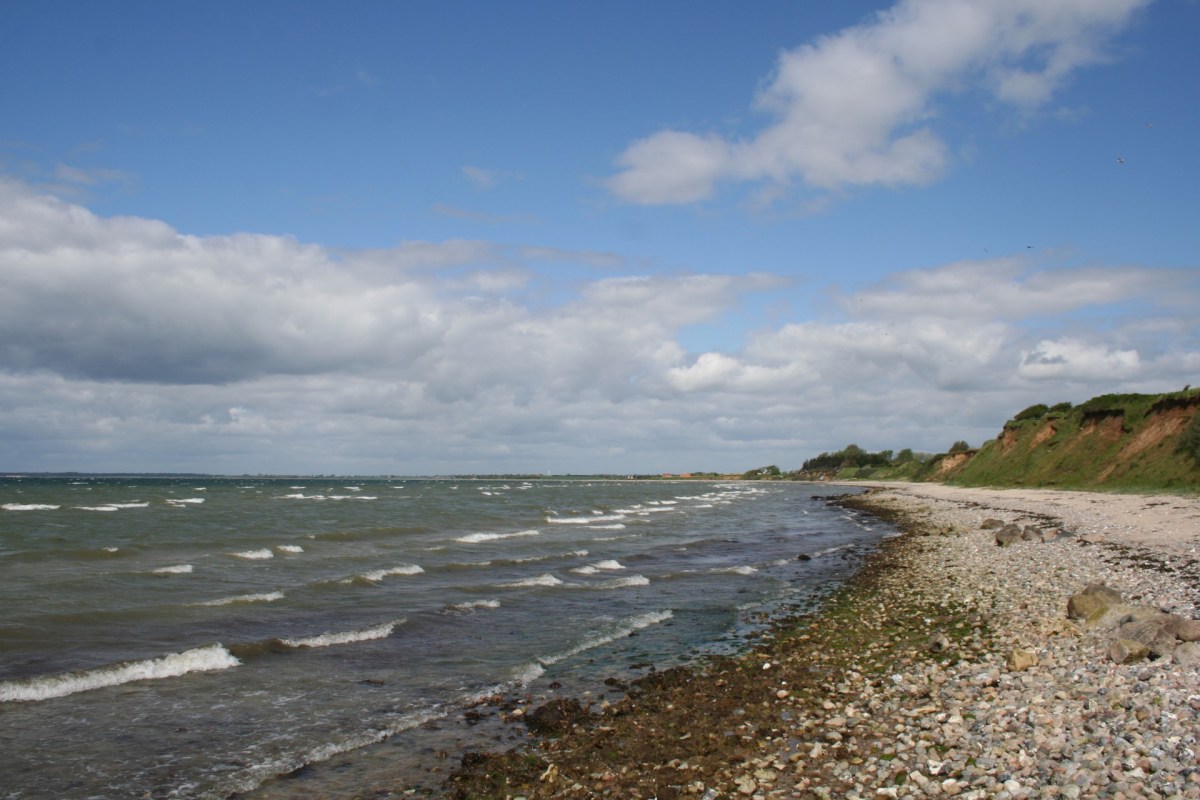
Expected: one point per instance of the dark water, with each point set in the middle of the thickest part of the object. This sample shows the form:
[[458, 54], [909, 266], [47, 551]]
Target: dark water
[[194, 638]]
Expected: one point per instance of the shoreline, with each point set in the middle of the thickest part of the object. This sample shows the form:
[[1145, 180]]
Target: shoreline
[[907, 682]]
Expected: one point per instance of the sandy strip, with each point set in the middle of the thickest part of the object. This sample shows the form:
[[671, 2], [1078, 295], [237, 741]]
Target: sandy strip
[[1167, 523]]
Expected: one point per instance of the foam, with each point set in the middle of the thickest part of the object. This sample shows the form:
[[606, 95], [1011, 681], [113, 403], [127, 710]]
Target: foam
[[187, 501], [96, 508], [267, 597], [29, 507], [742, 570], [545, 579], [622, 583], [201, 659], [254, 555], [289, 548], [177, 569], [585, 520], [471, 605], [345, 637], [377, 575], [475, 538], [618, 631]]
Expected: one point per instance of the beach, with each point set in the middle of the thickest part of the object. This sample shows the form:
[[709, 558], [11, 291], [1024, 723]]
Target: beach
[[948, 666]]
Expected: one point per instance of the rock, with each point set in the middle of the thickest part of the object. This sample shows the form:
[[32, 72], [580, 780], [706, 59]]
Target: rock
[[1021, 660], [1050, 534], [991, 523], [1187, 654], [939, 643], [1157, 633], [1031, 534], [1127, 651], [1007, 535], [1183, 629], [1108, 618], [1093, 597], [556, 717]]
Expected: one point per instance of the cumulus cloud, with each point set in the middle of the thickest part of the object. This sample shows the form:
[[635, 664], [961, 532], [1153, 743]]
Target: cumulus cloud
[[125, 344], [859, 107], [1076, 360]]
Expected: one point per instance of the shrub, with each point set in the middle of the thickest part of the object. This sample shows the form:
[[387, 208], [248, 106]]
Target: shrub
[[1189, 440], [959, 447], [1033, 412]]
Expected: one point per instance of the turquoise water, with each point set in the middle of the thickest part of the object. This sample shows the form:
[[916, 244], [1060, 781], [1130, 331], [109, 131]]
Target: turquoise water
[[199, 637]]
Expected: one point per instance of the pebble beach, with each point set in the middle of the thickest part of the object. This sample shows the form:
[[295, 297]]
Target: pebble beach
[[949, 667]]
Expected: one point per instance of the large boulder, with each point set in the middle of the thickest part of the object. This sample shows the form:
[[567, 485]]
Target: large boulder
[[1154, 632], [1009, 534], [1094, 597], [1127, 651], [1109, 618]]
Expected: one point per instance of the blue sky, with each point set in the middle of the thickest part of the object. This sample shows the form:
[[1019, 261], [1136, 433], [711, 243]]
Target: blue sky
[[479, 237]]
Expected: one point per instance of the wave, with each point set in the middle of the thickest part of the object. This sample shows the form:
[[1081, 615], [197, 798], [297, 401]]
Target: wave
[[345, 637], [96, 508], [376, 575], [618, 630], [470, 605], [267, 597], [621, 583], [187, 501], [177, 569], [29, 507], [254, 555], [585, 520], [289, 548], [742, 570], [475, 538], [545, 579], [201, 659], [592, 569]]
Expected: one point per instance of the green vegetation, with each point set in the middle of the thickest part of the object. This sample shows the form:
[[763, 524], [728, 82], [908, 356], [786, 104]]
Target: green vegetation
[[1117, 442], [1120, 442]]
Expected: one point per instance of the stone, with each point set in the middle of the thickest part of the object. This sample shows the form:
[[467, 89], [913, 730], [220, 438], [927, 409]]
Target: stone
[[1109, 618], [1187, 654], [1009, 534], [1021, 660], [991, 523], [1094, 596], [1127, 651]]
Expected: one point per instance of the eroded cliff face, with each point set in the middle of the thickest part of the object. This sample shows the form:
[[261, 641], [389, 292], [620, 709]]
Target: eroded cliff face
[[1096, 445]]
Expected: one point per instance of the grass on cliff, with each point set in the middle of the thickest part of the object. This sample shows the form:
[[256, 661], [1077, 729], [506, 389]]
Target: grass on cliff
[[1126, 442]]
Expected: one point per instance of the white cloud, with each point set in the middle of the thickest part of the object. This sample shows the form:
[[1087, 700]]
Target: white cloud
[[1070, 359], [859, 107], [125, 344]]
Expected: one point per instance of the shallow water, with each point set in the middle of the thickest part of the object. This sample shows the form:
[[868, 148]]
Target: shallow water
[[194, 638]]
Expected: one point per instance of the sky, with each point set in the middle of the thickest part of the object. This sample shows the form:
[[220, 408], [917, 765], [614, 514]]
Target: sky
[[474, 237]]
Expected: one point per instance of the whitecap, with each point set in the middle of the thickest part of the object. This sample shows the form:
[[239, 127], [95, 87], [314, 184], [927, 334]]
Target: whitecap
[[545, 579], [345, 637], [377, 575], [187, 501], [585, 520], [266, 597], [201, 659], [475, 538], [471, 605], [289, 548], [29, 507], [618, 630], [254, 555], [96, 508], [177, 569], [742, 570], [622, 583]]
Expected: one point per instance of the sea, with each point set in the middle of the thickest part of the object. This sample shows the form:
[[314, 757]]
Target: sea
[[211, 637]]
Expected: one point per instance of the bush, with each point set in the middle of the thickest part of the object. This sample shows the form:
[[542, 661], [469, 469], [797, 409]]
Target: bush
[[1189, 440], [959, 447], [1033, 412]]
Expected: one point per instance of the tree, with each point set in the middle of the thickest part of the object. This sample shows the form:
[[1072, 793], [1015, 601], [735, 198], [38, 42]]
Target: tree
[[959, 447]]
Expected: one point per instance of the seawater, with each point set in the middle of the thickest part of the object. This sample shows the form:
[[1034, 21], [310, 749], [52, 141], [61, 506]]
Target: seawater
[[201, 637]]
